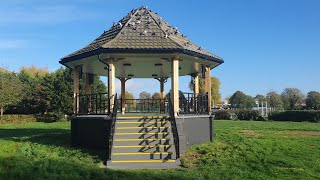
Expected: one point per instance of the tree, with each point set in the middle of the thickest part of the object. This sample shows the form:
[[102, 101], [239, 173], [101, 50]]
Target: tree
[[11, 90], [156, 95], [215, 88], [144, 95], [292, 98], [241, 100], [313, 100], [34, 100], [274, 100], [32, 71]]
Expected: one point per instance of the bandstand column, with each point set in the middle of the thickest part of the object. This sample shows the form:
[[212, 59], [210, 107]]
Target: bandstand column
[[196, 85], [76, 70], [88, 87], [89, 82], [208, 87], [175, 85], [162, 94], [111, 83], [123, 95], [196, 91]]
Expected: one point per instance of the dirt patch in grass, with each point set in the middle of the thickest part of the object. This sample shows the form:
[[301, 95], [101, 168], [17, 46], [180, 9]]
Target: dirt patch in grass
[[250, 133], [299, 133], [189, 159]]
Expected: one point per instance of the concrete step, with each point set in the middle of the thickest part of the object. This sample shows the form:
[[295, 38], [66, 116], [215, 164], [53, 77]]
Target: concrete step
[[143, 148], [143, 156], [137, 141], [120, 135], [143, 129], [139, 117], [143, 164], [142, 124]]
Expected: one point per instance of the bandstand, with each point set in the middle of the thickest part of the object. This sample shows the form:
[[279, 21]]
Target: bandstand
[[142, 133]]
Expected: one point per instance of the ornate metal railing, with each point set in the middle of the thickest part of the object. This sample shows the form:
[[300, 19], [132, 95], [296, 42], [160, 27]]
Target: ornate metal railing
[[113, 123], [174, 129], [143, 105], [190, 103], [93, 104]]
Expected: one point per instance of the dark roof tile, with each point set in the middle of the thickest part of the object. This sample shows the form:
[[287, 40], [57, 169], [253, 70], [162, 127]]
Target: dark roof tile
[[142, 29]]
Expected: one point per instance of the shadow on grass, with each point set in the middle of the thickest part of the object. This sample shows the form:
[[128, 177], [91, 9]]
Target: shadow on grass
[[46, 168], [51, 137]]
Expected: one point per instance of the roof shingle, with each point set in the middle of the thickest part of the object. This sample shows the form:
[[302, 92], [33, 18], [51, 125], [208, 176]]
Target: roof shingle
[[142, 29]]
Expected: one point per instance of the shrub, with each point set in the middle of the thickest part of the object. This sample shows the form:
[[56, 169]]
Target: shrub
[[296, 116], [17, 119], [260, 118], [21, 119], [222, 115], [247, 114]]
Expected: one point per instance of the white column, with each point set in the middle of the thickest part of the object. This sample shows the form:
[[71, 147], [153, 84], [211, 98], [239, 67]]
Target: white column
[[123, 95], [175, 86], [196, 85], [161, 80], [111, 81], [208, 87], [76, 89]]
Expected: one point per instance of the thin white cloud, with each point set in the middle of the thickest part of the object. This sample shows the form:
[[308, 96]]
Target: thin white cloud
[[13, 44], [42, 14]]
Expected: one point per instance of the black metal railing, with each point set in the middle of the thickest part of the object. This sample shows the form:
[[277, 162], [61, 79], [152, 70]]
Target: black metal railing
[[174, 129], [113, 123], [143, 105], [190, 103], [93, 104]]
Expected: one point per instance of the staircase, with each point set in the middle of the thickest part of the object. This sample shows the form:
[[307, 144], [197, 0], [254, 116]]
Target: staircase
[[143, 142]]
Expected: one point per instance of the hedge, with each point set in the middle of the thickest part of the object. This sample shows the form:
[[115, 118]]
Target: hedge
[[22, 119], [242, 114], [247, 114], [222, 115], [296, 116]]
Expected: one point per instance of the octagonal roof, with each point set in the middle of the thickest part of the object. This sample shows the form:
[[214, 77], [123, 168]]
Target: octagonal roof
[[142, 31]]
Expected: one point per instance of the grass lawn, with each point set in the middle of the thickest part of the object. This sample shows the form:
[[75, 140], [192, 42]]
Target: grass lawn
[[241, 150]]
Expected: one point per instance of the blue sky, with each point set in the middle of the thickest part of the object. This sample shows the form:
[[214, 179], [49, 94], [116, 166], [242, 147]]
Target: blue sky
[[267, 45]]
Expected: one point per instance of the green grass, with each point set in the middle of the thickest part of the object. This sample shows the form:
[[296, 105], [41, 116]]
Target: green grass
[[242, 150]]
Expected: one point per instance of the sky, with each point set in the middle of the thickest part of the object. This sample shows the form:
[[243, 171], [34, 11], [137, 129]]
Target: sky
[[267, 45]]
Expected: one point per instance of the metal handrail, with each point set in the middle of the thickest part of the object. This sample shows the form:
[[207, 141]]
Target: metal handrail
[[113, 123], [93, 104], [142, 105], [193, 103], [174, 129]]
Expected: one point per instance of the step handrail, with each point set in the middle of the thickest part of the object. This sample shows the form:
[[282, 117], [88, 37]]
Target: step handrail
[[113, 123], [174, 129]]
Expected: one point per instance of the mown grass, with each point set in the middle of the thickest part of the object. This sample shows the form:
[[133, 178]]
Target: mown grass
[[241, 150]]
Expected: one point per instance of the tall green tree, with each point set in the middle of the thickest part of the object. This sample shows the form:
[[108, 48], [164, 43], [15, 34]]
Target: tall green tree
[[34, 100], [11, 90], [241, 100], [313, 100], [292, 98], [60, 91], [33, 71], [274, 100]]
